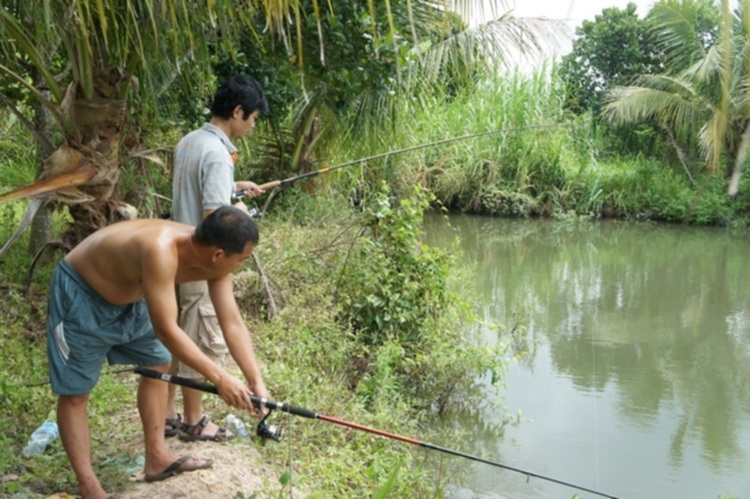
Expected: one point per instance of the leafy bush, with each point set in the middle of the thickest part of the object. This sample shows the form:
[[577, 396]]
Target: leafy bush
[[394, 286], [395, 297]]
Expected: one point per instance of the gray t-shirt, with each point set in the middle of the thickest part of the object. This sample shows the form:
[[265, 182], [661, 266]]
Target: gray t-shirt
[[203, 174]]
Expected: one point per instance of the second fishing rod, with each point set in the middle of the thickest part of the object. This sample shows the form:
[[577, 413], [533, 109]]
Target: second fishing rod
[[288, 181]]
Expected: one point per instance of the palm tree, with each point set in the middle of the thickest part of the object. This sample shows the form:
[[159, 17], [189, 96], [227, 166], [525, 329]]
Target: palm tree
[[703, 98], [84, 61]]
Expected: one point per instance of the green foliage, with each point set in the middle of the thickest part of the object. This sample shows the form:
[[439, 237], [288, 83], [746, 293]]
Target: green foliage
[[394, 295], [384, 491], [699, 98], [684, 30], [543, 162], [151, 40], [610, 50], [394, 286], [613, 49], [514, 143], [348, 52], [17, 159], [644, 189], [25, 401]]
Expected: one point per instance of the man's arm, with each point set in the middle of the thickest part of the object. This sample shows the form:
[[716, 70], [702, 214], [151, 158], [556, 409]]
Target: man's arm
[[158, 271], [236, 334]]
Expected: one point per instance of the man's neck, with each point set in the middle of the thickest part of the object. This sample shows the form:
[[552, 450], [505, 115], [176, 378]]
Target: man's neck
[[194, 259], [223, 125]]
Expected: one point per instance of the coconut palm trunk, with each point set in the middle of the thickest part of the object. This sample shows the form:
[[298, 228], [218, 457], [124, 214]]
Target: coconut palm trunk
[[83, 171]]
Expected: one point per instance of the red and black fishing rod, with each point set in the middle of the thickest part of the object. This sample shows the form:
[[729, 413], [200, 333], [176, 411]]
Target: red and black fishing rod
[[307, 413]]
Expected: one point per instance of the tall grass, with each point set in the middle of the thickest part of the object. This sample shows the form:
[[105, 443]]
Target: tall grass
[[543, 161], [17, 154]]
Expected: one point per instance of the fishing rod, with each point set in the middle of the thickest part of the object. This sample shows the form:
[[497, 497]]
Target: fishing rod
[[307, 413], [288, 181]]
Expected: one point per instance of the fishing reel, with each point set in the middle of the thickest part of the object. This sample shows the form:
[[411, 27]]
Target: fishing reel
[[251, 210], [266, 431]]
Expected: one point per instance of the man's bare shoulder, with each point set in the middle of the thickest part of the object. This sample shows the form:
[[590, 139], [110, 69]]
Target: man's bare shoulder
[[133, 234], [116, 259], [146, 227], [146, 224]]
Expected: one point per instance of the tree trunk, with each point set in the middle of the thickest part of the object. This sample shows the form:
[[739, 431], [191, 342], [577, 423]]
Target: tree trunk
[[41, 226]]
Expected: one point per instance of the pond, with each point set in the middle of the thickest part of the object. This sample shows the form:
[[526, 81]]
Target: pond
[[629, 361]]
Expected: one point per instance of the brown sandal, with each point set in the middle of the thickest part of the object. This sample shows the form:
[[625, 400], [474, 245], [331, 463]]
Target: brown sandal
[[177, 467], [192, 433], [173, 426]]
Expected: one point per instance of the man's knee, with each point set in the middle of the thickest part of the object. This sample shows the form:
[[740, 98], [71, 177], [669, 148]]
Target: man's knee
[[73, 401]]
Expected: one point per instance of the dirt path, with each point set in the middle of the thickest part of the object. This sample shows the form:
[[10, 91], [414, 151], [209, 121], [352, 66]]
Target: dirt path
[[237, 469]]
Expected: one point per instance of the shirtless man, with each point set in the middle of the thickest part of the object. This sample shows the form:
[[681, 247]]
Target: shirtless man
[[113, 297]]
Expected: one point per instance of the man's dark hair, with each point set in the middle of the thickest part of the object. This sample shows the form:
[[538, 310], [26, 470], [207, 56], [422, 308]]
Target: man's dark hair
[[228, 228], [239, 90]]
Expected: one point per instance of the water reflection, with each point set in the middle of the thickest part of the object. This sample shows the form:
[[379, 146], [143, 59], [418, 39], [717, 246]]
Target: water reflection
[[642, 329]]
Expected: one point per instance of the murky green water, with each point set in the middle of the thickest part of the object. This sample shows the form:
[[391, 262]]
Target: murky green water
[[633, 370]]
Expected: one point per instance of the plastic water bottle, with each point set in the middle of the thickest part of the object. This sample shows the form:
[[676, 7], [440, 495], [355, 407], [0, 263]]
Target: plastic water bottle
[[235, 425], [41, 437]]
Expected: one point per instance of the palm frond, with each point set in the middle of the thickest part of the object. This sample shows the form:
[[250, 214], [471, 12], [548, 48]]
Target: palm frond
[[502, 42], [472, 11], [681, 87], [711, 137], [676, 33], [630, 105], [708, 68]]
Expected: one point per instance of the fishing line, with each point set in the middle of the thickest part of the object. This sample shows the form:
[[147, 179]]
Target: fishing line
[[596, 414], [307, 413]]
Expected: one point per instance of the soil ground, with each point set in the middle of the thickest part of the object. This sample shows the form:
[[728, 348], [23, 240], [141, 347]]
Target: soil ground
[[237, 472]]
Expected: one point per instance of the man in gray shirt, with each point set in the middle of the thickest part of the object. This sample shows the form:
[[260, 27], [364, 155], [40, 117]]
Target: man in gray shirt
[[204, 181]]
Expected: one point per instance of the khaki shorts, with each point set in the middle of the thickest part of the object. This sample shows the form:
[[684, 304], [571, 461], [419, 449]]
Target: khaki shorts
[[198, 320]]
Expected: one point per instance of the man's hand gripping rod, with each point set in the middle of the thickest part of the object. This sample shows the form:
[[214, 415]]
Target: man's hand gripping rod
[[263, 430]]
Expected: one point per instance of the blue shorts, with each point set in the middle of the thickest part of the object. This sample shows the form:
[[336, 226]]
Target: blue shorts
[[83, 329]]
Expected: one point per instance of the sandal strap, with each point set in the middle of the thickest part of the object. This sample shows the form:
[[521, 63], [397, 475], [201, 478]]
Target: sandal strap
[[197, 428], [175, 422]]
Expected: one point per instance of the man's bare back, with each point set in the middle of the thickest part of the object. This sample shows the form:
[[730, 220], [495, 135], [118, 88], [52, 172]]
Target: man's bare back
[[117, 259]]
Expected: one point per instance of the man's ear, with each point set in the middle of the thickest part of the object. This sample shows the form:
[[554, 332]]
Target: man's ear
[[238, 112], [216, 254]]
